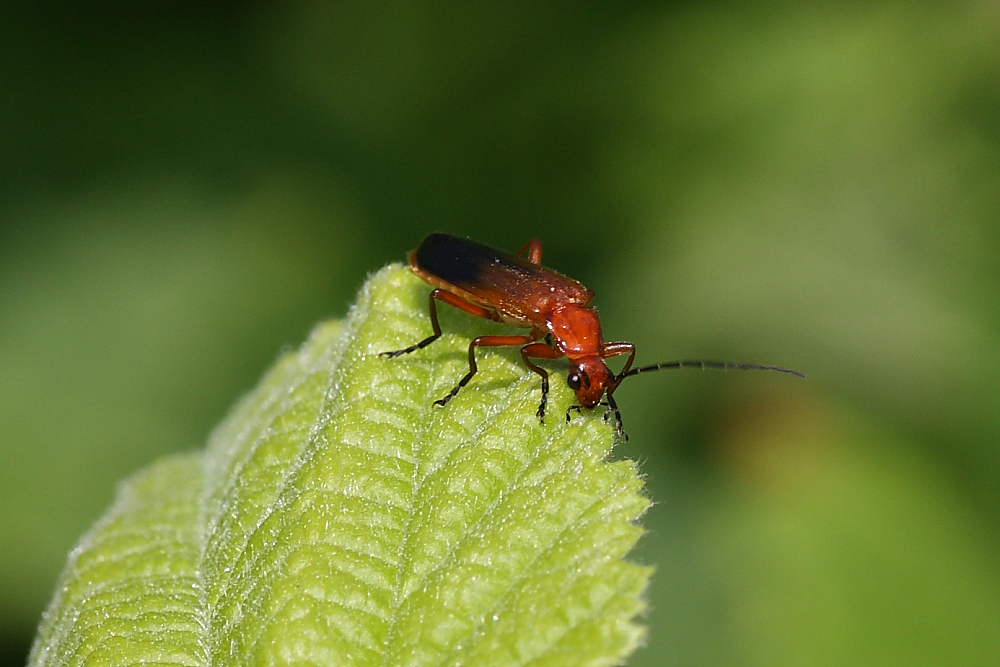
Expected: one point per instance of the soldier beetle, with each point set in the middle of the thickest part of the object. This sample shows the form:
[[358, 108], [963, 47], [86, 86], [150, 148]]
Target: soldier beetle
[[520, 291]]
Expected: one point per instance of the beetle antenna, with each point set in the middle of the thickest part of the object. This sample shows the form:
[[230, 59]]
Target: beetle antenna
[[703, 364]]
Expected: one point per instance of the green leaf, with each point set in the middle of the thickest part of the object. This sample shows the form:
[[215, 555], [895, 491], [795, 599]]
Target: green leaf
[[337, 517]]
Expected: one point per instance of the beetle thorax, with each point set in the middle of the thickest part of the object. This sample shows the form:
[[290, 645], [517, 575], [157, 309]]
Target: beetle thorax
[[576, 330]]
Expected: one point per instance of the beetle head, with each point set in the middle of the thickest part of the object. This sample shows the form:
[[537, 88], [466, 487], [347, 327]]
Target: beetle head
[[590, 377]]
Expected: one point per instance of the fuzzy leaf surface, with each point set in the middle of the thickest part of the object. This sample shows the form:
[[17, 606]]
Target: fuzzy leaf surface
[[338, 518]]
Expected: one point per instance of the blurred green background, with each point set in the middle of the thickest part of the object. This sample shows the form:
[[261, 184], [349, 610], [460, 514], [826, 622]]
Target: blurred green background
[[189, 187]]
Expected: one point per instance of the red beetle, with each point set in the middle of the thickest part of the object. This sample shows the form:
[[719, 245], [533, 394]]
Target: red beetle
[[520, 291]]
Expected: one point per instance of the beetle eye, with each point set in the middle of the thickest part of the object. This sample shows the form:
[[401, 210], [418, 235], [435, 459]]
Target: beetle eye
[[574, 381]]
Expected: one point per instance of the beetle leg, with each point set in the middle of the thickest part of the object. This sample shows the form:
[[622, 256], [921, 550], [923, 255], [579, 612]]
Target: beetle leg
[[540, 351], [613, 411], [534, 251], [618, 349], [614, 350], [482, 341], [451, 299], [613, 408]]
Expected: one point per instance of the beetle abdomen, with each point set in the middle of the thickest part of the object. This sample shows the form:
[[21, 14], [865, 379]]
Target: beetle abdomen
[[458, 261], [517, 289]]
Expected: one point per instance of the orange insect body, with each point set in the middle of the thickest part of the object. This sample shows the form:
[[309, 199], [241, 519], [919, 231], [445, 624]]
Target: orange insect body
[[518, 290]]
